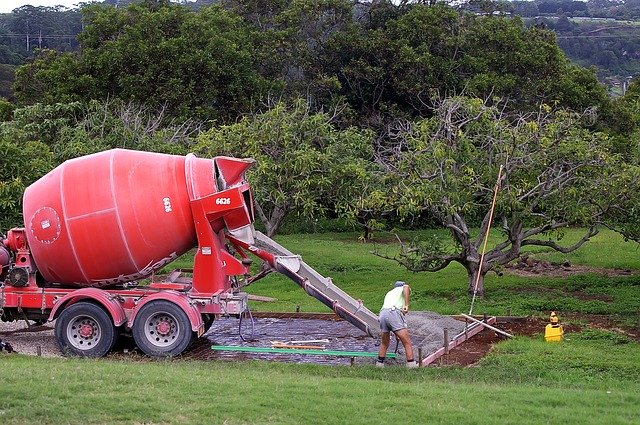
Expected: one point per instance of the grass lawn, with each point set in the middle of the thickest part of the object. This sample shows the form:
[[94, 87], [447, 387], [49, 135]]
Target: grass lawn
[[352, 267], [585, 380], [590, 378]]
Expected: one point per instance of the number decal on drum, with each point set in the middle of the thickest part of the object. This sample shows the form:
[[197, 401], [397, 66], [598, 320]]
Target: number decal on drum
[[167, 204]]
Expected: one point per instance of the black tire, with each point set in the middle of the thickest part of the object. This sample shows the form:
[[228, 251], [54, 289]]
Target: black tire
[[162, 329], [85, 329]]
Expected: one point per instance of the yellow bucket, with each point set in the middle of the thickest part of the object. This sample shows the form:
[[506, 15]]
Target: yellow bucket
[[553, 332]]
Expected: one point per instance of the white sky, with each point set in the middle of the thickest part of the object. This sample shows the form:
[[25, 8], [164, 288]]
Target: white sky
[[7, 6]]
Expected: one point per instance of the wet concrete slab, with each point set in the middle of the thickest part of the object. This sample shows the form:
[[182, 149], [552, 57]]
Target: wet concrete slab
[[426, 333], [342, 336]]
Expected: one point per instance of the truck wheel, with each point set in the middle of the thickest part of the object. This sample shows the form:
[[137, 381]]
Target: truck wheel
[[85, 329], [162, 329]]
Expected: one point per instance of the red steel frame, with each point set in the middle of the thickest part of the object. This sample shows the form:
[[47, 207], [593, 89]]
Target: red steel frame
[[210, 291]]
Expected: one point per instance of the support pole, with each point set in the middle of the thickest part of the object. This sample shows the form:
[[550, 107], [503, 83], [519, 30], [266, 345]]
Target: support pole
[[486, 238]]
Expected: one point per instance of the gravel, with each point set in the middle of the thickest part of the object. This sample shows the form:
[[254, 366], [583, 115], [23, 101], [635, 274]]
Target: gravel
[[427, 328], [427, 333], [30, 339]]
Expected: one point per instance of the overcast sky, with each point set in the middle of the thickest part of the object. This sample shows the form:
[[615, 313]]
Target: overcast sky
[[7, 6]]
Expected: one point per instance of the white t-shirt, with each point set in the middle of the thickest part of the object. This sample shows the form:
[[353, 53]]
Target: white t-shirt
[[394, 298]]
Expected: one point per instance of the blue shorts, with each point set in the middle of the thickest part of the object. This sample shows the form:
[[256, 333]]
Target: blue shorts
[[391, 320]]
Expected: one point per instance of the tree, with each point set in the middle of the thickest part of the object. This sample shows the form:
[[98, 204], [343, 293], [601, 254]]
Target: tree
[[394, 69], [554, 173], [74, 129], [304, 165], [622, 208], [163, 55], [20, 165], [54, 77], [296, 42]]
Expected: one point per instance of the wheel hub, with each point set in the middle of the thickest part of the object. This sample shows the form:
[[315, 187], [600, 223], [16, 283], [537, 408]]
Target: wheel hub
[[163, 327], [85, 331]]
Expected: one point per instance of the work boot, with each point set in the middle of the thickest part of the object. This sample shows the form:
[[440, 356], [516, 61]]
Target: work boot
[[379, 364], [412, 365]]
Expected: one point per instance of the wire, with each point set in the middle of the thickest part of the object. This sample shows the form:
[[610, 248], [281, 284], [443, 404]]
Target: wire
[[253, 326]]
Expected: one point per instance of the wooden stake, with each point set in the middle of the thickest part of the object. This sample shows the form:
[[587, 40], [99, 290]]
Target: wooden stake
[[261, 298], [446, 341]]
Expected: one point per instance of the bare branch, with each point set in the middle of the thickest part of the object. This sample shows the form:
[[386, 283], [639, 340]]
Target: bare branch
[[591, 231]]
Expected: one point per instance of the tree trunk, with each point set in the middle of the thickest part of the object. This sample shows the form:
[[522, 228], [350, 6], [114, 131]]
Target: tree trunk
[[277, 215], [476, 275], [273, 221]]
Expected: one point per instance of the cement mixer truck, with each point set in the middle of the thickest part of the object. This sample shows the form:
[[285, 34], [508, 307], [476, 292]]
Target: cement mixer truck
[[99, 229]]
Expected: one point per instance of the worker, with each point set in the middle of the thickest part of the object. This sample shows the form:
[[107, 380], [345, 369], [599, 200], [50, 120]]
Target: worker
[[392, 319]]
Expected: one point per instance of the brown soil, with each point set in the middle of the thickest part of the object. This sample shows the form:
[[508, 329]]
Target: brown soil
[[475, 348], [531, 267]]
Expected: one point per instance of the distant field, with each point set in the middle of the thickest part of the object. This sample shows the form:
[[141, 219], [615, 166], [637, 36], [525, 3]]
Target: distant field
[[581, 20], [354, 268]]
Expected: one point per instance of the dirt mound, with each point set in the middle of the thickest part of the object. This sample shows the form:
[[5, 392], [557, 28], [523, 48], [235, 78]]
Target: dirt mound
[[531, 267]]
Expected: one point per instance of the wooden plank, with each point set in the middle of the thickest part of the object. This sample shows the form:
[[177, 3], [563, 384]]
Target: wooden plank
[[299, 347], [457, 340], [261, 298], [486, 325], [499, 319]]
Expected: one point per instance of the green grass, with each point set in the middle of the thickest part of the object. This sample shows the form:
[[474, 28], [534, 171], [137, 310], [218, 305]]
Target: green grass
[[591, 377], [584, 380], [352, 267]]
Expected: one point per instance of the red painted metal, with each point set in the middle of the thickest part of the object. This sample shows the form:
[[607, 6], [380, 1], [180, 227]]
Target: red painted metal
[[211, 260], [260, 253], [97, 222], [181, 300], [119, 215], [111, 217], [15, 240], [109, 301]]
